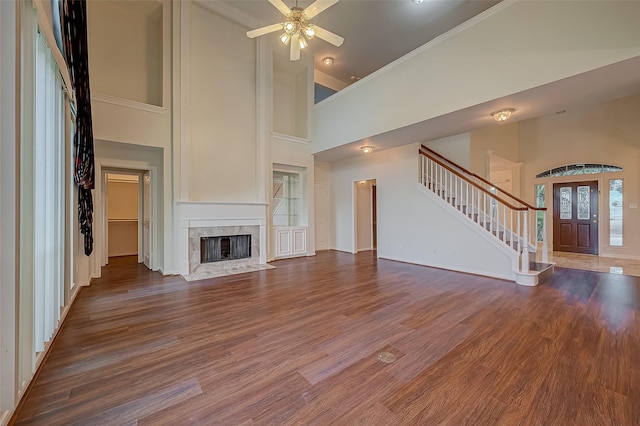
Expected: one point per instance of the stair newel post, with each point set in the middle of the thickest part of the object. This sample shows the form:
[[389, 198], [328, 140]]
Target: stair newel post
[[525, 249], [545, 246]]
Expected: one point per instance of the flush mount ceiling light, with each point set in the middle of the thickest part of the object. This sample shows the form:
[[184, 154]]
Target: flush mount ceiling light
[[418, 1], [366, 149], [503, 114], [297, 28], [327, 61]]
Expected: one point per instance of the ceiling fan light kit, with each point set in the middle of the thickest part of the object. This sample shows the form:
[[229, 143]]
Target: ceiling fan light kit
[[297, 29]]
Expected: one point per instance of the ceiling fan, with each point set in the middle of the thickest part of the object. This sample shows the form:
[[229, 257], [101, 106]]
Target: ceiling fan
[[297, 28]]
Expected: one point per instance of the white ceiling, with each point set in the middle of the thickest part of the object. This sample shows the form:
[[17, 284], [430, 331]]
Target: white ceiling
[[376, 32]]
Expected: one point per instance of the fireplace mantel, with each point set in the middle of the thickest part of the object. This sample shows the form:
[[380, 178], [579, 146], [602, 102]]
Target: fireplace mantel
[[218, 219]]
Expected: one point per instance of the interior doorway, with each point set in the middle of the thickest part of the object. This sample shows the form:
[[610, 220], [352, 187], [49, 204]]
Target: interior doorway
[[127, 214], [575, 217], [365, 215], [122, 214]]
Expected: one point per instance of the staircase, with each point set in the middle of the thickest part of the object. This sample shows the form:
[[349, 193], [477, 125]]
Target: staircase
[[500, 217]]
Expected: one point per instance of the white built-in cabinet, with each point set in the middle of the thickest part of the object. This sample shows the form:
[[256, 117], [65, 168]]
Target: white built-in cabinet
[[289, 225], [291, 241]]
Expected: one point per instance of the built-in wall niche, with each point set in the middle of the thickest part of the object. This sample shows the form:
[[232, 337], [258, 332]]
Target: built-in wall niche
[[125, 49], [287, 198], [290, 96], [289, 211]]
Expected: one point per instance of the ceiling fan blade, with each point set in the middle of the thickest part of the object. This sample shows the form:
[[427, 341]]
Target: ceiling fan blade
[[332, 38], [295, 47], [279, 4], [318, 6], [264, 30]]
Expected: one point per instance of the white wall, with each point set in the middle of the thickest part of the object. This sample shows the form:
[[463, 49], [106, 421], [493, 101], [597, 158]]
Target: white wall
[[500, 140], [143, 119], [123, 200], [516, 45], [456, 148], [222, 110], [125, 49], [322, 199], [290, 97], [411, 226], [140, 157]]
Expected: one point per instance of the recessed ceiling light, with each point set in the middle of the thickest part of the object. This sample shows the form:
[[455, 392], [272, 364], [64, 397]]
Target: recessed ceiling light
[[366, 149], [418, 1]]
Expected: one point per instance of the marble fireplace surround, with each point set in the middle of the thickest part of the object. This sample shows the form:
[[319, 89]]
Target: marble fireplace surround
[[199, 270]]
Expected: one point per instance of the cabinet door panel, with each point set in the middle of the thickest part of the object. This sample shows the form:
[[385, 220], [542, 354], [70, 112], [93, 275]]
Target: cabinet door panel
[[283, 242], [299, 241]]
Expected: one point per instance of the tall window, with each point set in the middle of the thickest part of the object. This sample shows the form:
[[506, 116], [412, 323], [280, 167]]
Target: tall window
[[615, 212], [47, 195]]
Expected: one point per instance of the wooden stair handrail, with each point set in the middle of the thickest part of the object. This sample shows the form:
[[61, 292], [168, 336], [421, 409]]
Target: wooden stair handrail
[[483, 180], [469, 181]]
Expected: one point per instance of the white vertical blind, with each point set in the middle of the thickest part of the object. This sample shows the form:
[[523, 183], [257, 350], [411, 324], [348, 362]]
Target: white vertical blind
[[48, 195]]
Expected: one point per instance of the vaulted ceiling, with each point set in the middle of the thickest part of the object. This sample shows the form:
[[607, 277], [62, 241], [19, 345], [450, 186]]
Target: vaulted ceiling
[[376, 32]]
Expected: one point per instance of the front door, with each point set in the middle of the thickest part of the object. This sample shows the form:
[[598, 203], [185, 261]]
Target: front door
[[575, 217]]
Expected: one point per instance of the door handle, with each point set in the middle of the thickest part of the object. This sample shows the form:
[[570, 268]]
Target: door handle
[[595, 221]]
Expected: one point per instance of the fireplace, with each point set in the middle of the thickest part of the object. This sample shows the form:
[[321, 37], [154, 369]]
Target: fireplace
[[216, 251], [223, 248]]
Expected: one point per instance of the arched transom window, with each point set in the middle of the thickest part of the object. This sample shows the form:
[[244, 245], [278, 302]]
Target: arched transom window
[[579, 169]]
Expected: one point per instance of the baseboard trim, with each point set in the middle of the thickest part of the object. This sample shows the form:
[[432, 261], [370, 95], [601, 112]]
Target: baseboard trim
[[450, 268], [5, 416]]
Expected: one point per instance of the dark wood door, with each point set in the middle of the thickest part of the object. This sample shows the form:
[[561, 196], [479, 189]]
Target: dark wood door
[[575, 217]]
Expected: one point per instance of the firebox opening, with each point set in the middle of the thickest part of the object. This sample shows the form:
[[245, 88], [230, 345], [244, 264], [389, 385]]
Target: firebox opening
[[218, 249]]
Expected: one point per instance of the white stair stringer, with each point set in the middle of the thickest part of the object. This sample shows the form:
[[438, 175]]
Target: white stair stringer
[[481, 231], [529, 278]]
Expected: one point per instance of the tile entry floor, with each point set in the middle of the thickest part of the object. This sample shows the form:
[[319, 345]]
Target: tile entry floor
[[590, 262]]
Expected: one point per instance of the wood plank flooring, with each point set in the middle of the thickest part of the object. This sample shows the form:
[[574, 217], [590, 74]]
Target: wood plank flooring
[[299, 344]]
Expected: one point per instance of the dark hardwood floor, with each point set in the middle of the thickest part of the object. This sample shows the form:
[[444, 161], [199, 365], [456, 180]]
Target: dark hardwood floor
[[299, 345]]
